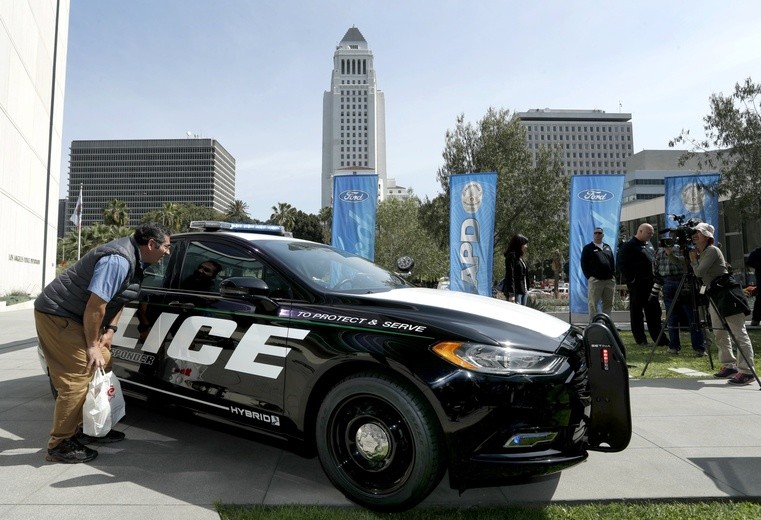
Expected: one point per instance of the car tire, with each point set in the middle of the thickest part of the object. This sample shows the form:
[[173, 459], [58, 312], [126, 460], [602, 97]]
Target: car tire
[[379, 442]]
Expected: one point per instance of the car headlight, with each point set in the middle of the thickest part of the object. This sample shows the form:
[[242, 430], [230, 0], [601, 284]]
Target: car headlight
[[497, 359]]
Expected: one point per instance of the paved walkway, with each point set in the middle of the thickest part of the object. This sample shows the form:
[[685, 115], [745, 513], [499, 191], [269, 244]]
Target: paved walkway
[[693, 438]]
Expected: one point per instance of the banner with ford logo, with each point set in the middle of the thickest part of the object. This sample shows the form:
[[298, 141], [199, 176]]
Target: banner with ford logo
[[355, 199], [692, 196], [595, 202], [472, 200]]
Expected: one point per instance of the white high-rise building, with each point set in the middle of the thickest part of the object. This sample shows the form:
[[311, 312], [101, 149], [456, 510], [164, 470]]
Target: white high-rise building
[[33, 45], [354, 117]]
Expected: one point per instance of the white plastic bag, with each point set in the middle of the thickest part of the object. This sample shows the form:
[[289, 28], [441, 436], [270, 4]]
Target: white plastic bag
[[104, 404], [116, 400]]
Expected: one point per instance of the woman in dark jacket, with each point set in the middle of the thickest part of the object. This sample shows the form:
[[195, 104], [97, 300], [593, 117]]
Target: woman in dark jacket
[[516, 272]]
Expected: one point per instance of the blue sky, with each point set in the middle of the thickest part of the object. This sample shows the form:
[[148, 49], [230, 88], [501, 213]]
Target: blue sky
[[252, 73]]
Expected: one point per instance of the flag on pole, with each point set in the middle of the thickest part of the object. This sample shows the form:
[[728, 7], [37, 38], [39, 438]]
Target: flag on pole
[[76, 216], [472, 210], [355, 200], [595, 202]]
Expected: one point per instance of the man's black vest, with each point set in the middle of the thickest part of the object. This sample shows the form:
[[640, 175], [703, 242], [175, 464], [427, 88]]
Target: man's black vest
[[67, 295]]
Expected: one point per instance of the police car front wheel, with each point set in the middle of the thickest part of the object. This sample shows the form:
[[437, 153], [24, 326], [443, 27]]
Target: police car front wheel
[[379, 442]]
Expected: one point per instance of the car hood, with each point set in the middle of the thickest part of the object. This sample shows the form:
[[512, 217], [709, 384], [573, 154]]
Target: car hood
[[497, 319]]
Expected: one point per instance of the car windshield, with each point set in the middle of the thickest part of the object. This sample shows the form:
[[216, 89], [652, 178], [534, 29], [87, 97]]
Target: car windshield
[[324, 267]]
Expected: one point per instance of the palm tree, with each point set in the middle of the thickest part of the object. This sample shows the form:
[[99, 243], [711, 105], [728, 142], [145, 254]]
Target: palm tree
[[284, 215], [326, 219], [170, 215], [238, 211], [115, 213]]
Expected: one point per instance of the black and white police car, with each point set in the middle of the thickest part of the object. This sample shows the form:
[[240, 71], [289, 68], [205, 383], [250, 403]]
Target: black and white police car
[[391, 385]]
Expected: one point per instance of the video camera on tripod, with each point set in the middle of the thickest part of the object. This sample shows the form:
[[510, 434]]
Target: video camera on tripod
[[680, 236]]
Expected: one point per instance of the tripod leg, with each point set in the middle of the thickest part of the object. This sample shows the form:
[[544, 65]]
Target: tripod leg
[[703, 323], [733, 338], [668, 315]]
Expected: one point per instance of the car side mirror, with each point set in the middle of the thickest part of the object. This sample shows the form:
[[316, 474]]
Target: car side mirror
[[249, 289]]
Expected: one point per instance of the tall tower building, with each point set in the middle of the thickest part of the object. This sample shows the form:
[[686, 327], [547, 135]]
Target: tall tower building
[[147, 173], [354, 117], [591, 141]]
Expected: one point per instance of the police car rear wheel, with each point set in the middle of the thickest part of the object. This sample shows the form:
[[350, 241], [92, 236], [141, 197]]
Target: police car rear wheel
[[379, 442]]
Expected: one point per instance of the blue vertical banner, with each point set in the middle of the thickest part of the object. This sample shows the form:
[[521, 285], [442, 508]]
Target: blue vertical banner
[[472, 201], [355, 200], [595, 202], [692, 196]]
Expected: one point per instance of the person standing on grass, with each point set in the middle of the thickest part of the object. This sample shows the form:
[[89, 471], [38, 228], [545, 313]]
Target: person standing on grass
[[635, 260], [708, 264], [516, 271], [599, 268]]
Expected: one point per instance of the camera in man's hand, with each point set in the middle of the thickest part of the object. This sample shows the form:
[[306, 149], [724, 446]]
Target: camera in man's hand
[[655, 292]]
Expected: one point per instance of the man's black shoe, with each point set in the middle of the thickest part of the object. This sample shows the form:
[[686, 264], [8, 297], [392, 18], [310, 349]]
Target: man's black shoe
[[70, 451], [642, 343], [111, 436]]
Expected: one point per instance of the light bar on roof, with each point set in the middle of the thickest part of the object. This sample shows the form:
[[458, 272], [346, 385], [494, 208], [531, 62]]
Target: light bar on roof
[[214, 225]]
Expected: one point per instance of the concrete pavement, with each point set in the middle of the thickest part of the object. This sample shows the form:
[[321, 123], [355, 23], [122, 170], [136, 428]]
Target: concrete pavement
[[693, 438]]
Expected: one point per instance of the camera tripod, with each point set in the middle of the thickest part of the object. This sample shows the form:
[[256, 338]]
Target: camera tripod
[[699, 313]]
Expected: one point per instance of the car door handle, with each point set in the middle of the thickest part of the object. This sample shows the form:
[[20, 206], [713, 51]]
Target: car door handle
[[185, 306]]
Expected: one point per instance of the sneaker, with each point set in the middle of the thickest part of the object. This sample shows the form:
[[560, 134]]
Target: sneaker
[[111, 436], [741, 378], [70, 451], [700, 353], [674, 351], [725, 372]]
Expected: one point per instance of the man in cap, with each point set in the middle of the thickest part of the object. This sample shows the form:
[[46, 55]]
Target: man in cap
[[599, 268]]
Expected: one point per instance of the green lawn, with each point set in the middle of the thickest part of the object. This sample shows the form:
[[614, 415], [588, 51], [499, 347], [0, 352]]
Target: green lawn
[[662, 362], [614, 510]]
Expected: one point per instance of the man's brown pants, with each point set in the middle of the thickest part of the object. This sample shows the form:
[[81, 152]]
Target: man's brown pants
[[63, 344]]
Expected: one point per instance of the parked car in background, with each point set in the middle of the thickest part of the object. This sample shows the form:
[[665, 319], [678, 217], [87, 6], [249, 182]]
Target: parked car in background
[[538, 294]]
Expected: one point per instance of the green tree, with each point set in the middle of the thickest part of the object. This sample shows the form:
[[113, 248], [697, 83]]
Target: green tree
[[284, 215], [115, 213], [183, 214], [733, 136], [400, 233], [531, 198], [92, 236], [170, 215], [238, 212], [191, 212], [325, 216], [307, 226], [434, 217]]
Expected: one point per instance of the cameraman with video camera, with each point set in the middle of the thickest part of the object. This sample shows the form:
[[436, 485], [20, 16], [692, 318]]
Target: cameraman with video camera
[[635, 260], [708, 263], [670, 271]]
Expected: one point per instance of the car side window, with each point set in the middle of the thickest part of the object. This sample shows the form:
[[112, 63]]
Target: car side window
[[155, 274], [206, 264]]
